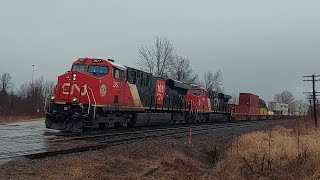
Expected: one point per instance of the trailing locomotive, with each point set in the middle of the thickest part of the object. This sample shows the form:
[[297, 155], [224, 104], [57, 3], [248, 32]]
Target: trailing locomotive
[[99, 93]]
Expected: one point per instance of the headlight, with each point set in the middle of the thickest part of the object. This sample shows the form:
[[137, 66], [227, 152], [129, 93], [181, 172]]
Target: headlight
[[53, 98], [74, 77], [74, 99]]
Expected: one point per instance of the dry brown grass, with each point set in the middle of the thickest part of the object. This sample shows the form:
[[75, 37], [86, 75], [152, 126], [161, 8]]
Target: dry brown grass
[[281, 153], [18, 118]]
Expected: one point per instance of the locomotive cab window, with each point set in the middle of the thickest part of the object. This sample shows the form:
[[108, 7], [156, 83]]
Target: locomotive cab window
[[117, 73], [79, 67], [98, 71]]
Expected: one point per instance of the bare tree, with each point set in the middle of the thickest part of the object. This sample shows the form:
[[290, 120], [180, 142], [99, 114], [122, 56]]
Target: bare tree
[[6, 85], [194, 79], [286, 97], [48, 88], [213, 81], [296, 105], [26, 99], [34, 95], [157, 58], [234, 99], [181, 70], [23, 91], [6, 82]]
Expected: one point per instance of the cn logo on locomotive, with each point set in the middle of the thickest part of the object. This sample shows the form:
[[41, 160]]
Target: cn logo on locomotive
[[66, 86], [160, 91], [216, 102]]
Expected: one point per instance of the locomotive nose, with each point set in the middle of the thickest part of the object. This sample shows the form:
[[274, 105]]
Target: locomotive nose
[[70, 88]]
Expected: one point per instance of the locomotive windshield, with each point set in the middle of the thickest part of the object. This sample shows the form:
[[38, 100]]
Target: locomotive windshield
[[98, 71], [79, 67]]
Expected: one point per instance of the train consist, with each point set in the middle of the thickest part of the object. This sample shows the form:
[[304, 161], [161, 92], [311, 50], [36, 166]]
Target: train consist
[[251, 107], [99, 93]]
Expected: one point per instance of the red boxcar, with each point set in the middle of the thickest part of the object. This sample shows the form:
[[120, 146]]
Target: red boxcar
[[248, 99], [246, 110]]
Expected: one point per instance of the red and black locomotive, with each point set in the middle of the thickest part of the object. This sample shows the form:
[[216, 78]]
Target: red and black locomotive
[[99, 93]]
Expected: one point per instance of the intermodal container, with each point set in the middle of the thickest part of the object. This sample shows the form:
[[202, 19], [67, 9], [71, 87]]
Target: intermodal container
[[248, 99], [254, 111], [241, 109], [263, 111], [247, 110]]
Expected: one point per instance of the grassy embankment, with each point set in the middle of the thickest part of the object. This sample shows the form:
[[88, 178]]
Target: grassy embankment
[[280, 153]]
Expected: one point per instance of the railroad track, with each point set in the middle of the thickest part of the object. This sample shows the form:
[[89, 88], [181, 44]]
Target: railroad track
[[109, 140], [71, 143]]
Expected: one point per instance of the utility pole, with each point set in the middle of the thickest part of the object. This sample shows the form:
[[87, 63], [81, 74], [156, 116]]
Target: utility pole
[[313, 80], [310, 99]]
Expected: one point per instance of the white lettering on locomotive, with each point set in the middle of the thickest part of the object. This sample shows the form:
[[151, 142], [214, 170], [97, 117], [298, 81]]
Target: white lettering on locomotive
[[160, 88], [65, 91], [160, 92], [216, 102], [117, 85], [66, 86]]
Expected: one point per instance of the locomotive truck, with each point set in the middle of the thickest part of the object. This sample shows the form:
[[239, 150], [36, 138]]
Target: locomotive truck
[[98, 93]]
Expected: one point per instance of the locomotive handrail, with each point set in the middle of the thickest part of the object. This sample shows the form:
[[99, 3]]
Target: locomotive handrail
[[95, 103], [89, 102]]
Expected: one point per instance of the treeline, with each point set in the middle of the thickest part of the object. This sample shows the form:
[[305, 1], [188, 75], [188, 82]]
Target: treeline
[[27, 100], [161, 59]]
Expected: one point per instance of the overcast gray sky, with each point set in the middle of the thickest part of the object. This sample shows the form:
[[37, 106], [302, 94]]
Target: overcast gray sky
[[261, 47]]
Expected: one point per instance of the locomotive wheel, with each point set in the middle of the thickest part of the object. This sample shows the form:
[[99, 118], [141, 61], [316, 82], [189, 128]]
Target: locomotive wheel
[[48, 122]]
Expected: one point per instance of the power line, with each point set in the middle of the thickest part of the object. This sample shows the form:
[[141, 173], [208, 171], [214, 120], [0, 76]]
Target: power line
[[314, 94]]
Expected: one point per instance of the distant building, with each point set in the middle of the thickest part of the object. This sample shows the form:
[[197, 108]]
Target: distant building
[[278, 108], [304, 110]]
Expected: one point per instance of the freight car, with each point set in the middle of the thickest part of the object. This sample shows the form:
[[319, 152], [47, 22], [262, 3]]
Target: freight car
[[250, 107], [278, 108], [99, 93]]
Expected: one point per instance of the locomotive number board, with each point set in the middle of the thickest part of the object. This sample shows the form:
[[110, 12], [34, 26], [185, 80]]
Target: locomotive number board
[[96, 60]]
